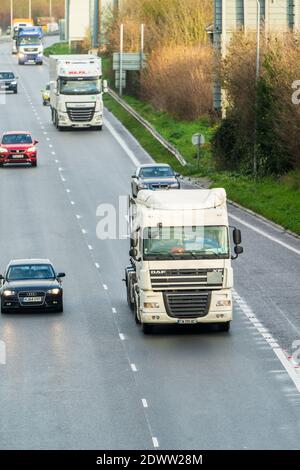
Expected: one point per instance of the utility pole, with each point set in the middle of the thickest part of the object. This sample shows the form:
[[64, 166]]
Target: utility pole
[[11, 14], [50, 8], [121, 59], [29, 9], [256, 81]]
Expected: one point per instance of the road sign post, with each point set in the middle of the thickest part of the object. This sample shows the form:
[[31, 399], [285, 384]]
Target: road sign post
[[198, 140]]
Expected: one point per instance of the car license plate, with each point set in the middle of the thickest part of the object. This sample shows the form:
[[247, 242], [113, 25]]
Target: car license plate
[[20, 155], [32, 299]]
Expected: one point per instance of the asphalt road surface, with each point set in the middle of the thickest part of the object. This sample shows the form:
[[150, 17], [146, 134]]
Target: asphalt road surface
[[90, 379]]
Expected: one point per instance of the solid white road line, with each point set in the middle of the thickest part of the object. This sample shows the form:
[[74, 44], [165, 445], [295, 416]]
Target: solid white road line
[[290, 366], [265, 234], [155, 442], [122, 142]]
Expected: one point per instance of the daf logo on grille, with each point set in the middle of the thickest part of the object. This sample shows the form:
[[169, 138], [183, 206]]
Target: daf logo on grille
[[158, 272]]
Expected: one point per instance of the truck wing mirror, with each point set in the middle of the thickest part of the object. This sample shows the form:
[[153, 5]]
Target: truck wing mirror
[[1, 277], [61, 275], [237, 236], [133, 253], [238, 249]]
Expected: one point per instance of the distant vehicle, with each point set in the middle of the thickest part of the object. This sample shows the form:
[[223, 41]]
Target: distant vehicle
[[8, 82], [18, 147], [46, 95], [30, 45], [76, 91], [17, 24], [154, 176], [29, 284]]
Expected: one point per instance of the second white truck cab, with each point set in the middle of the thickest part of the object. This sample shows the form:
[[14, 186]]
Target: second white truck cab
[[76, 89], [180, 255]]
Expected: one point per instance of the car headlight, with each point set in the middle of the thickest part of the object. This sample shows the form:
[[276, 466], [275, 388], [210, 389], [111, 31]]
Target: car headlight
[[8, 293], [54, 291], [3, 150], [143, 186], [151, 305], [31, 149], [13, 83]]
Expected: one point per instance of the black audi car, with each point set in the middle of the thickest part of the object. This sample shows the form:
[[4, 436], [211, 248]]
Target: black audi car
[[31, 284], [8, 82], [154, 176]]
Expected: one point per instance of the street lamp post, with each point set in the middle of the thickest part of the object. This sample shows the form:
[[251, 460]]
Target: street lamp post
[[256, 81], [29, 9], [11, 13], [50, 8]]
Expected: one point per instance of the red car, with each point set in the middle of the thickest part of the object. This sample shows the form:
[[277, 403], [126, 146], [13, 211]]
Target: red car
[[18, 147]]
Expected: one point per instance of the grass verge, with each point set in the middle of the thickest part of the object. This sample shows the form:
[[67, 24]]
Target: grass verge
[[57, 48]]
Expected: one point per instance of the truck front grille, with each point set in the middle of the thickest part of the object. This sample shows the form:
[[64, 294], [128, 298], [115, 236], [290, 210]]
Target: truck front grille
[[189, 304], [81, 114], [186, 279]]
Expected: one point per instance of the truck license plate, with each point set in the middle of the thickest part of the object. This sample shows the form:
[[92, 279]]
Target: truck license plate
[[187, 321]]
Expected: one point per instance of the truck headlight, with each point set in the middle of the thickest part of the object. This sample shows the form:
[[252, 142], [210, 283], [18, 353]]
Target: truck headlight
[[13, 83], [3, 150], [9, 293], [151, 305], [54, 291]]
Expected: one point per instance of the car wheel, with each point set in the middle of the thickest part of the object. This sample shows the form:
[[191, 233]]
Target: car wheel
[[44, 103], [147, 328], [225, 327], [15, 92], [60, 309], [34, 164]]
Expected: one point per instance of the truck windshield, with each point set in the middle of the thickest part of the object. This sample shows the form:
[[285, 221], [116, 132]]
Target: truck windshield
[[185, 242], [26, 41], [86, 86]]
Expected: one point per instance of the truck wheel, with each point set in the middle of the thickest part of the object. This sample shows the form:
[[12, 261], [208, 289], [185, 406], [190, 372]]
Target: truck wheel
[[225, 327], [135, 311], [147, 328], [130, 303]]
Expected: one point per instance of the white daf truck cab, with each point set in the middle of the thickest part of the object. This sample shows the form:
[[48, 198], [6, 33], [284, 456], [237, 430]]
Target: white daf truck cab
[[180, 258], [76, 89]]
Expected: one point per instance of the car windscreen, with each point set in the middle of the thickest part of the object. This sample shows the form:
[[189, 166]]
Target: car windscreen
[[6, 76], [30, 272], [14, 139], [156, 172]]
